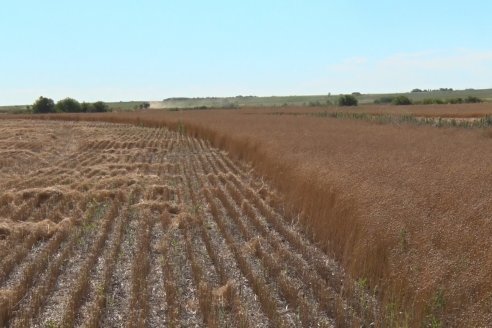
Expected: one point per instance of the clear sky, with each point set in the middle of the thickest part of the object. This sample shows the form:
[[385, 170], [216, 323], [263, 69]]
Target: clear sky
[[150, 50]]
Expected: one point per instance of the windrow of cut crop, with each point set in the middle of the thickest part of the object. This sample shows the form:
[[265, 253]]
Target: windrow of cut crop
[[97, 307], [81, 285], [139, 306], [265, 294], [38, 285], [330, 299], [15, 254], [36, 299], [10, 300], [214, 313], [324, 282], [225, 274]]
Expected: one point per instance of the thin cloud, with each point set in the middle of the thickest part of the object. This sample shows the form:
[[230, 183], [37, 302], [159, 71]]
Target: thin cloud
[[350, 63], [459, 68], [438, 60]]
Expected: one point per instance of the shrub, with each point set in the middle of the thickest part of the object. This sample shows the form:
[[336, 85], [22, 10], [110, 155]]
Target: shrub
[[144, 105], [401, 100], [456, 101], [436, 101], [86, 107], [318, 103], [384, 100], [433, 101], [347, 100], [230, 105], [472, 100], [43, 105], [314, 104], [100, 107], [68, 105], [97, 107]]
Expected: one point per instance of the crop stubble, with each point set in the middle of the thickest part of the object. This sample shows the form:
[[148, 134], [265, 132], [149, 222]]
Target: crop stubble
[[111, 225]]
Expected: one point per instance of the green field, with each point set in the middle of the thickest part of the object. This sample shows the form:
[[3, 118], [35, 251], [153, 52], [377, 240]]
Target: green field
[[21, 109]]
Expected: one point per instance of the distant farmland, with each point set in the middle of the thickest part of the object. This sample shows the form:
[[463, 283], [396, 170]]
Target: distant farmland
[[309, 100], [274, 101]]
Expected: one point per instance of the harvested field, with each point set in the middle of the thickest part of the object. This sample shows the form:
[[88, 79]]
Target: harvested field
[[119, 225]]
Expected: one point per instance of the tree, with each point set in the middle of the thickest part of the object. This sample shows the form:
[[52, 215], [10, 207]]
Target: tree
[[99, 107], [456, 100], [86, 107], [145, 105], [472, 100], [43, 105], [347, 100], [402, 100], [384, 100], [68, 105]]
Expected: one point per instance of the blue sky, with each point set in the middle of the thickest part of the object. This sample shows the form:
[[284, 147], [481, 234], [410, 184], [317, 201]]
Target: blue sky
[[150, 50]]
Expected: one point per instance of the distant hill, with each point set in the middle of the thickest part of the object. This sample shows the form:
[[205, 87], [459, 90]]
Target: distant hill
[[313, 100]]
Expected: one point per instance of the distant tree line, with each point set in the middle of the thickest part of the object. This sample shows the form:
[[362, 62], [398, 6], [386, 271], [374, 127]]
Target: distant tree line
[[403, 100], [208, 98], [68, 105], [466, 100], [431, 90]]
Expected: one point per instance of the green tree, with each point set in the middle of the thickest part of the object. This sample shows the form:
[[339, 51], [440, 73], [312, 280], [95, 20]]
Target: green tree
[[43, 105], [86, 107], [68, 105], [145, 105], [456, 101], [472, 100], [100, 107], [347, 100], [401, 100], [384, 100]]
